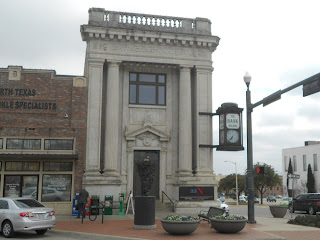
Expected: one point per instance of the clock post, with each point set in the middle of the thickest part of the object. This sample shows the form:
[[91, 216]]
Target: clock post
[[230, 127]]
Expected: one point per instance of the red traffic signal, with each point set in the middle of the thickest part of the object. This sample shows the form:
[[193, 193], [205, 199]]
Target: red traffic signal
[[260, 169]]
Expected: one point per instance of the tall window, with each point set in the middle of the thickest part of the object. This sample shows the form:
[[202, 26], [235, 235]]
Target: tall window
[[294, 163], [285, 163], [304, 163], [1, 143], [315, 162], [147, 88]]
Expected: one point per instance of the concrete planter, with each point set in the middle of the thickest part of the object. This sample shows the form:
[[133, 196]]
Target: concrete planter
[[179, 227], [228, 226], [278, 211]]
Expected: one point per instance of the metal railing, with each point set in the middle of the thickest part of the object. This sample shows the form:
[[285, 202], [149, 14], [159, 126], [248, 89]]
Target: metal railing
[[173, 205]]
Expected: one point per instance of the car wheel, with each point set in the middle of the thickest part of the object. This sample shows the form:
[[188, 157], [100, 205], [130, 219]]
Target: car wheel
[[311, 210], [41, 232], [7, 229]]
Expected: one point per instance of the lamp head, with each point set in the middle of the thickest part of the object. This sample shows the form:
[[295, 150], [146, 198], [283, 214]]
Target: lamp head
[[247, 79]]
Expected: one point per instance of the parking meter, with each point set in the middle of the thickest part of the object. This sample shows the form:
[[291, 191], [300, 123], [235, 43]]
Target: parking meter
[[121, 200]]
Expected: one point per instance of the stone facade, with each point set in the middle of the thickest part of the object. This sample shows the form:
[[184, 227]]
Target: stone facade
[[38, 104], [119, 44]]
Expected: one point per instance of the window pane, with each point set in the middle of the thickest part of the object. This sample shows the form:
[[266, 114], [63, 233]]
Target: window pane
[[161, 79], [285, 163], [1, 143], [147, 94], [22, 166], [57, 166], [30, 186], [58, 144], [294, 164], [133, 77], [161, 95], [13, 143], [133, 93], [315, 162], [304, 163], [0, 169], [12, 186], [56, 187], [147, 78]]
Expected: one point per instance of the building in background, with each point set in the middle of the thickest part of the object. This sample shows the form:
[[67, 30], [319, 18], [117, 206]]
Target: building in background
[[149, 77], [42, 135], [301, 157]]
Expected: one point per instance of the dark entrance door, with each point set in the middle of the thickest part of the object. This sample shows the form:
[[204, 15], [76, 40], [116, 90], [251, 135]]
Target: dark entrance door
[[153, 158]]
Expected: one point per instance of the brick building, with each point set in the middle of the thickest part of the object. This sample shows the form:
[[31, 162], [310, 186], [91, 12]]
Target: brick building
[[42, 135]]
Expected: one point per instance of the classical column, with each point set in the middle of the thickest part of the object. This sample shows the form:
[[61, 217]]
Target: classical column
[[112, 120], [185, 124], [93, 146]]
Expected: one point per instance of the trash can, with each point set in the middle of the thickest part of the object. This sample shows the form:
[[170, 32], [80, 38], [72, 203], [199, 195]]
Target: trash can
[[95, 204], [108, 204]]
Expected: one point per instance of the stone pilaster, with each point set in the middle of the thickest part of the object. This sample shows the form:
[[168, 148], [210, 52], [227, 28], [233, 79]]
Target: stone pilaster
[[95, 76], [185, 124], [203, 124], [112, 121]]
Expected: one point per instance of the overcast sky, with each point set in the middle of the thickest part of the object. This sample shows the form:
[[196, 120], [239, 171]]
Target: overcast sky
[[276, 41]]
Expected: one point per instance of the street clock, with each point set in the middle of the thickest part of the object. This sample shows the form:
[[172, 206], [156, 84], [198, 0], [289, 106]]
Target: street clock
[[230, 127]]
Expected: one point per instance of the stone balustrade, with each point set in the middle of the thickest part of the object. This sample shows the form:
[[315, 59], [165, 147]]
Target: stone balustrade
[[102, 17]]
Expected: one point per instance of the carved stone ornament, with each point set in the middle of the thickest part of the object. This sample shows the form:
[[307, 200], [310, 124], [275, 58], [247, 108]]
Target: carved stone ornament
[[147, 138]]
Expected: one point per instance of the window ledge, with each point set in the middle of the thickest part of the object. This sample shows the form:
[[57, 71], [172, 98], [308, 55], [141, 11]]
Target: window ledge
[[147, 106]]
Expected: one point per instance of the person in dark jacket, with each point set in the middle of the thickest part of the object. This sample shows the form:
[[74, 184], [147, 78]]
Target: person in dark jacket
[[82, 200]]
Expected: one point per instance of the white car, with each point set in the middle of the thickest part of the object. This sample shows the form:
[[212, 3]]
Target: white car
[[242, 198], [24, 214], [224, 206]]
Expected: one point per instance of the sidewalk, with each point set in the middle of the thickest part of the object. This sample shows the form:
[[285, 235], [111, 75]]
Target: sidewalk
[[122, 226]]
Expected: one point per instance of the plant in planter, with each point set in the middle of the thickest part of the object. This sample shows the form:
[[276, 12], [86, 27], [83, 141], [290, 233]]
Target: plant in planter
[[228, 224], [180, 225], [278, 211]]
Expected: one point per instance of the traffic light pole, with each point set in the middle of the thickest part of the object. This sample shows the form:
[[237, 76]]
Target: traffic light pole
[[250, 160], [310, 85]]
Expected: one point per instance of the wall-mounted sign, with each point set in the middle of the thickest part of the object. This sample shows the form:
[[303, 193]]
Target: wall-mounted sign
[[12, 100], [230, 127], [196, 193]]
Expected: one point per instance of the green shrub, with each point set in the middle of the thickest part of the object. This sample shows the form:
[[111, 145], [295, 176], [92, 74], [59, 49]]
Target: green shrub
[[180, 218], [310, 221]]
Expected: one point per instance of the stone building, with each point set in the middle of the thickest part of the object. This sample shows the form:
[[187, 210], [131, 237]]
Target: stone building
[[149, 77], [42, 135]]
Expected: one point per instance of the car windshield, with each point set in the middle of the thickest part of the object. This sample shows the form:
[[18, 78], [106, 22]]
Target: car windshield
[[27, 203]]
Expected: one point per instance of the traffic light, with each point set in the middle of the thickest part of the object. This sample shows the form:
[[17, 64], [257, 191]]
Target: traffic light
[[260, 170]]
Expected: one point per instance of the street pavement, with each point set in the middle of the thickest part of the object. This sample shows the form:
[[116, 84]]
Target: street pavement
[[117, 227]]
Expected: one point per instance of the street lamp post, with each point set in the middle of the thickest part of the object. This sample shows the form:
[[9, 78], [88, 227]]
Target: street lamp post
[[247, 80], [237, 200], [310, 85]]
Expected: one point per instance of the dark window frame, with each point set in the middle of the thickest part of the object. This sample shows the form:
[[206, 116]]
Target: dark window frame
[[22, 168], [156, 84], [49, 142], [47, 168], [23, 142], [1, 143]]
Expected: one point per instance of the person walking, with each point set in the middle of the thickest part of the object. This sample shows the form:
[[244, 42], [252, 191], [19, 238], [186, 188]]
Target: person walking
[[82, 200]]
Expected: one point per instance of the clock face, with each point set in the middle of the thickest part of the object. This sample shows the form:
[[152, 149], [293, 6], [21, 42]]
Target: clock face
[[232, 136]]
